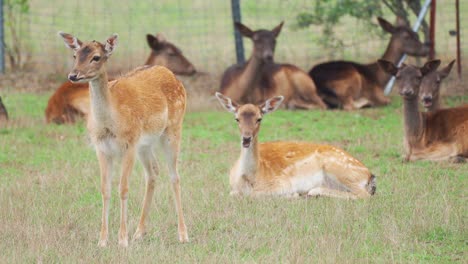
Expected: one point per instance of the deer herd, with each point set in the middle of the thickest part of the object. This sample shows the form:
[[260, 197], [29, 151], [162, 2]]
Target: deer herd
[[128, 116]]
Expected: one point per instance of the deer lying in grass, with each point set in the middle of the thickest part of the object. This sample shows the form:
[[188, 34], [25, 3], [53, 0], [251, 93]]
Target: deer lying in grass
[[291, 168], [3, 112], [351, 85], [438, 135], [71, 100], [429, 92], [260, 77], [129, 116]]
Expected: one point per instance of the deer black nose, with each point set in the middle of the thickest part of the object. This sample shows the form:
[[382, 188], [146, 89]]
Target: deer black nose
[[427, 98], [246, 141], [73, 77]]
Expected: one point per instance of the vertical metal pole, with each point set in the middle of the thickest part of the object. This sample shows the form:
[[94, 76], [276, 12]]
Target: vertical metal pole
[[422, 13], [2, 40], [236, 17], [457, 7], [432, 30]]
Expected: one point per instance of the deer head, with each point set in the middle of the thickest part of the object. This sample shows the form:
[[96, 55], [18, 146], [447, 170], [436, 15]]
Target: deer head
[[409, 77], [249, 116], [90, 57], [430, 85], [168, 55], [264, 40], [404, 38]]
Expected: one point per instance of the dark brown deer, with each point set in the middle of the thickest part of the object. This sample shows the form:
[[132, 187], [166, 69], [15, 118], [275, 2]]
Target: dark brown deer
[[438, 135], [3, 112], [351, 85], [429, 92], [71, 100], [261, 78]]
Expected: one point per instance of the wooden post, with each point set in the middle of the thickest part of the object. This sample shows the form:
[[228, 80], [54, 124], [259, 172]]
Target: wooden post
[[432, 30]]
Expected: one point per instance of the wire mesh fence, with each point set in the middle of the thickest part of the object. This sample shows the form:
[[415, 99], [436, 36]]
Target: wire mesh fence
[[204, 31]]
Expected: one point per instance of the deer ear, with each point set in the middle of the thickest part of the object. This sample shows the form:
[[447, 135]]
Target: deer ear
[[244, 30], [153, 42], [227, 103], [388, 67], [111, 44], [277, 29], [446, 70], [387, 26], [70, 41], [271, 104], [429, 66]]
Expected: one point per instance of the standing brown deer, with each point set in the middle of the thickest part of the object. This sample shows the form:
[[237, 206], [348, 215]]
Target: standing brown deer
[[429, 92], [291, 168], [351, 85], [261, 78], [3, 112], [438, 135], [71, 100], [130, 116]]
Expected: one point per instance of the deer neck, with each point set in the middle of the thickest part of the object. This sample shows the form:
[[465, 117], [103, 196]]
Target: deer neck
[[250, 76], [100, 99], [413, 120], [392, 54], [249, 161]]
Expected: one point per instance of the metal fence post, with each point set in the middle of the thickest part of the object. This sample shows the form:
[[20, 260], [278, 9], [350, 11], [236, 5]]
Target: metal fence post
[[236, 17], [2, 41]]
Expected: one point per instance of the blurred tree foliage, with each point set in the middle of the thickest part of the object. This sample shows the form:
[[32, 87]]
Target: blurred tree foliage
[[327, 14], [16, 26]]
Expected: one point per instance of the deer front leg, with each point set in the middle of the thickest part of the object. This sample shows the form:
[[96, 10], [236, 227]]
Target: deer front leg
[[127, 165], [105, 165]]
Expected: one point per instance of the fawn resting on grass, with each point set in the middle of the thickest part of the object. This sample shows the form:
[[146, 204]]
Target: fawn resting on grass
[[129, 116], [429, 92], [437, 135], [71, 100], [291, 168], [350, 85], [260, 77]]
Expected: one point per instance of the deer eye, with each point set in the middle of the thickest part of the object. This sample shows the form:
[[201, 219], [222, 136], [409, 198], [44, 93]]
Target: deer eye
[[96, 58], [259, 120], [74, 56], [237, 120]]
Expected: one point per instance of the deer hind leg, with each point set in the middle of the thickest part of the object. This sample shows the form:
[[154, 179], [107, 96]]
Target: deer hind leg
[[127, 166], [324, 191], [170, 142], [307, 97], [379, 98], [147, 158], [105, 165]]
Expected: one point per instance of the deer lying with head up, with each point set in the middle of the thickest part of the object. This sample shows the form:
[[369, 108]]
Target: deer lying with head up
[[3, 113], [429, 92], [71, 100], [130, 116], [438, 135], [261, 78], [291, 168], [350, 85]]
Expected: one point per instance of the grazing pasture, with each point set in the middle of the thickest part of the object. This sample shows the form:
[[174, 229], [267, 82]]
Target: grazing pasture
[[50, 197]]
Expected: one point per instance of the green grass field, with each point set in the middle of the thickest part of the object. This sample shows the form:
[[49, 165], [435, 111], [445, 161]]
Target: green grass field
[[50, 199]]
